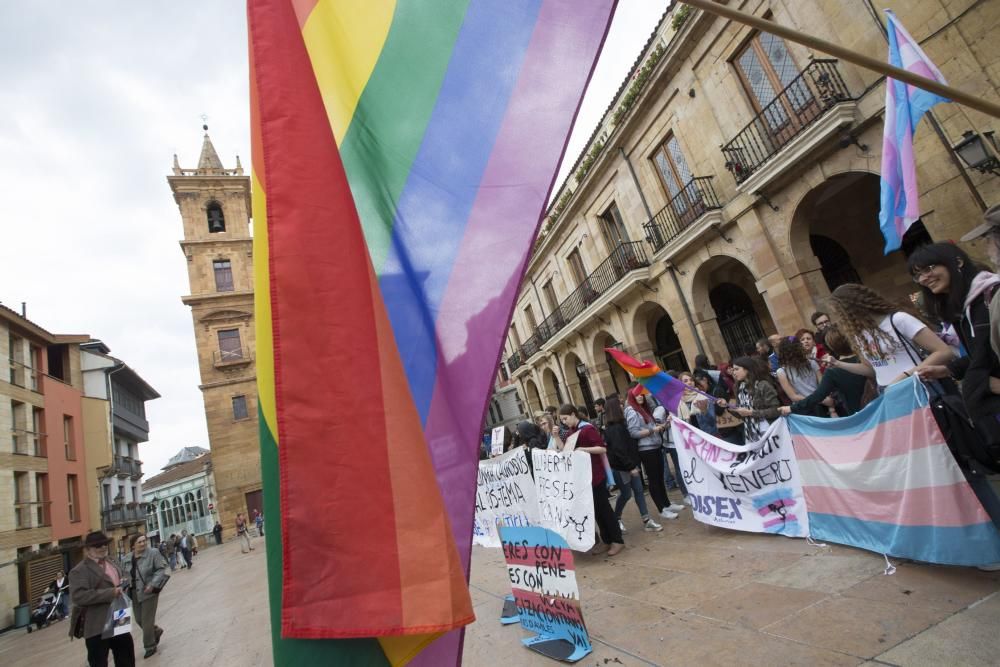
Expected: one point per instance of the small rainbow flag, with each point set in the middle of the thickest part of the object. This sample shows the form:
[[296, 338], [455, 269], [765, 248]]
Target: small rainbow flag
[[666, 389], [905, 105], [403, 153]]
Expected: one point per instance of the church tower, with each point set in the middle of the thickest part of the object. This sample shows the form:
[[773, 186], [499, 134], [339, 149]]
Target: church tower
[[214, 204]]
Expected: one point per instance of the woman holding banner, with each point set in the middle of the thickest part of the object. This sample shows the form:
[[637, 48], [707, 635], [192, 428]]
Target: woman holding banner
[[757, 397], [584, 437]]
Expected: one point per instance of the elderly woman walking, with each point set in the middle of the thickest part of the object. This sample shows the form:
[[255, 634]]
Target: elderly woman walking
[[147, 571], [96, 582]]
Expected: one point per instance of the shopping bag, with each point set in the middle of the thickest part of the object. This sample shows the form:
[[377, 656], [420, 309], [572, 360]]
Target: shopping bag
[[119, 619]]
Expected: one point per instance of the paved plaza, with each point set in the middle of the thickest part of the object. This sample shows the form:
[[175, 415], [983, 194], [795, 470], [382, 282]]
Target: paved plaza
[[691, 595]]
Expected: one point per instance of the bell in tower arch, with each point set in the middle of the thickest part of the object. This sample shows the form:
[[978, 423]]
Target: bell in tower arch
[[216, 221]]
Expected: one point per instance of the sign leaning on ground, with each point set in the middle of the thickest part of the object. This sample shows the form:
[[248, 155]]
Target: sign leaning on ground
[[565, 499], [505, 494], [756, 487], [543, 580]]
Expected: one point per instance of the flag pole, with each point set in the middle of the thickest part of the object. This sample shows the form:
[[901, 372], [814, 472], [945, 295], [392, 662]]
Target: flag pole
[[874, 64]]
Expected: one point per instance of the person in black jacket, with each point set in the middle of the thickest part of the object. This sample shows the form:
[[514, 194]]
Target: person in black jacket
[[623, 455], [850, 387]]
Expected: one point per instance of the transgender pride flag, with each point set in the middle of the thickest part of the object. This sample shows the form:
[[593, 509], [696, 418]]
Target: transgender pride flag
[[904, 107], [884, 479]]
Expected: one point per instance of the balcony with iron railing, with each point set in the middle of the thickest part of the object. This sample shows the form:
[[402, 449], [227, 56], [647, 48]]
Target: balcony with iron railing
[[514, 361], [624, 259], [126, 466], [227, 358], [23, 375], [693, 201], [28, 443], [803, 101], [121, 515]]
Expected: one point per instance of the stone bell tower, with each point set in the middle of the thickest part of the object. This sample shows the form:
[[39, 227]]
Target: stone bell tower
[[214, 204]]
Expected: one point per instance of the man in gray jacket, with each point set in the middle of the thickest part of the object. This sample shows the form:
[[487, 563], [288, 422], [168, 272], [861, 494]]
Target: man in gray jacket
[[147, 569], [94, 584]]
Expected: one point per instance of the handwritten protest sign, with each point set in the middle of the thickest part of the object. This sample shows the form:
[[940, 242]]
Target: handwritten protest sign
[[496, 441], [756, 487], [543, 580], [505, 492], [565, 499]]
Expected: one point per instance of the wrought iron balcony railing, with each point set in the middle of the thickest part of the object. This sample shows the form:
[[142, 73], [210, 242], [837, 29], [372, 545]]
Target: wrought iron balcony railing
[[514, 361], [123, 514], [626, 257], [694, 199], [803, 101]]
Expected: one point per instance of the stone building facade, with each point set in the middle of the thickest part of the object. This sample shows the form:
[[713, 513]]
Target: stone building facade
[[733, 182], [214, 204]]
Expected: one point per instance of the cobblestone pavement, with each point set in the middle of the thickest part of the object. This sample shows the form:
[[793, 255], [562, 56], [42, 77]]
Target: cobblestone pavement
[[691, 595]]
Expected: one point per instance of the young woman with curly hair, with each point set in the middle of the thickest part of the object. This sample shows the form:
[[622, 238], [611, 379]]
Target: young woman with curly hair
[[757, 397], [813, 348], [798, 374], [870, 322], [848, 386]]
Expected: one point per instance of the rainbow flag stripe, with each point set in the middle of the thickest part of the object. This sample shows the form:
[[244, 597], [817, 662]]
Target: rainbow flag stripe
[[403, 154], [884, 479], [668, 390]]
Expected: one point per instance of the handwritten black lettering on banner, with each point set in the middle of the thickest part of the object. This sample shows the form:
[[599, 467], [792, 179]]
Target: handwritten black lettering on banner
[[754, 487], [505, 493], [565, 500]]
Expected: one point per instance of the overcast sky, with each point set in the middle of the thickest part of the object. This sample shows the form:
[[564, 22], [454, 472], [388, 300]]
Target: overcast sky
[[97, 96]]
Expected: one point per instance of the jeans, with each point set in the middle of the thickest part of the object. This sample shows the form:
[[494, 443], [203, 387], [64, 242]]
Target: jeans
[[605, 518], [668, 477], [629, 486], [672, 452], [173, 561], [121, 648], [187, 556], [652, 463]]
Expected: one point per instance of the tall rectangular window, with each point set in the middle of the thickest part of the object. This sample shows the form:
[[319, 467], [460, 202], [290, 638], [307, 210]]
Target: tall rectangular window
[[42, 496], [768, 73], [240, 407], [230, 348], [672, 168], [223, 275], [68, 440], [529, 317], [576, 265], [73, 493], [613, 228]]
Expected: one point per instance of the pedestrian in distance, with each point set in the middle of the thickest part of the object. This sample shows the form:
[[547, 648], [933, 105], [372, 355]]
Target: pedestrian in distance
[[243, 534], [170, 551], [647, 432], [217, 532], [187, 546], [586, 438], [148, 573], [623, 454], [96, 582], [60, 589], [258, 518]]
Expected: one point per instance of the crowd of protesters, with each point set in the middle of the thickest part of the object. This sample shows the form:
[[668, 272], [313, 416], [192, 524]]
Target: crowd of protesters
[[861, 343]]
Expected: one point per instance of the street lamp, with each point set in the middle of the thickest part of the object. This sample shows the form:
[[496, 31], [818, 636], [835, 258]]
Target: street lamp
[[978, 154], [581, 369]]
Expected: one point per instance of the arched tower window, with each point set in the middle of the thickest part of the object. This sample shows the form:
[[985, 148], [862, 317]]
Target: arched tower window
[[165, 510], [216, 221]]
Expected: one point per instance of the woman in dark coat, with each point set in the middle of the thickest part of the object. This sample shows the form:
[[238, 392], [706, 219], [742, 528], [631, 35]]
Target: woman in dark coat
[[623, 455]]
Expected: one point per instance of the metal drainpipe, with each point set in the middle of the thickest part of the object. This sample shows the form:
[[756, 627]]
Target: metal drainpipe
[[670, 268]]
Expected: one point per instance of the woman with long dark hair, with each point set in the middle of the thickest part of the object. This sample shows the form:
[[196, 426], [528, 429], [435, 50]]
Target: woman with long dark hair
[[798, 373], [757, 397], [623, 455], [848, 386], [584, 437]]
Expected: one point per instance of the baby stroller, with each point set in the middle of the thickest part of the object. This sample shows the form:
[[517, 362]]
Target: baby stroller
[[47, 609]]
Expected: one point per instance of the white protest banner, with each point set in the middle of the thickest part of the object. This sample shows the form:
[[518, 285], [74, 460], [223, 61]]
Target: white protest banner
[[755, 487], [504, 493], [565, 499], [496, 441]]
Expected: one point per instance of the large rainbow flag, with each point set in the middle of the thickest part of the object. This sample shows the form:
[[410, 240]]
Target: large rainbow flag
[[667, 389], [402, 157], [884, 479]]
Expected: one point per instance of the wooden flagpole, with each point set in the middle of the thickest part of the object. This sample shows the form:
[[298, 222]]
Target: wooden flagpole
[[874, 64]]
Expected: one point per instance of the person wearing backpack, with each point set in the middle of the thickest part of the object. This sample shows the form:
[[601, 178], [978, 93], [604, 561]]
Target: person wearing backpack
[[623, 455]]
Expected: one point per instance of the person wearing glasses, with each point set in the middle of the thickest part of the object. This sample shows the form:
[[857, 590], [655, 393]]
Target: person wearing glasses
[[148, 573], [94, 584]]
